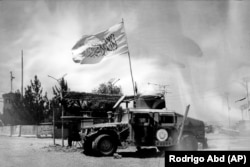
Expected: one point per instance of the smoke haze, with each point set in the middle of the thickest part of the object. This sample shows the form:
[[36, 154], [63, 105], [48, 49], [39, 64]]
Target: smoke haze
[[200, 49]]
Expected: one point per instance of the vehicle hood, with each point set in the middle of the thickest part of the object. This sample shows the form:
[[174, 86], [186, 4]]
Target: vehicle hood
[[115, 124]]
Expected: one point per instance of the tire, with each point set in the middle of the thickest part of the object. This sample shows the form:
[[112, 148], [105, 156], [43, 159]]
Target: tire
[[87, 146], [188, 142], [104, 145]]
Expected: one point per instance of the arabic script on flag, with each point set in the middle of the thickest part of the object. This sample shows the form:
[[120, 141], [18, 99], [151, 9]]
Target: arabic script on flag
[[91, 49]]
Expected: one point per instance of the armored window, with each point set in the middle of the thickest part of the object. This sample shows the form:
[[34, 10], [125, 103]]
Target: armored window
[[141, 119], [167, 119]]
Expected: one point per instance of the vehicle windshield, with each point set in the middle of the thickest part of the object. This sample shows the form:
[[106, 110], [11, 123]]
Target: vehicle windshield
[[121, 116]]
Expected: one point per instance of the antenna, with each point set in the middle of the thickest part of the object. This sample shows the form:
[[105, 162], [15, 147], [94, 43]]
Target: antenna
[[164, 91], [114, 82], [160, 86]]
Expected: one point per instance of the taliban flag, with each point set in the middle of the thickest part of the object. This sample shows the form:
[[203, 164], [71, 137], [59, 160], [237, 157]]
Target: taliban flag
[[91, 49]]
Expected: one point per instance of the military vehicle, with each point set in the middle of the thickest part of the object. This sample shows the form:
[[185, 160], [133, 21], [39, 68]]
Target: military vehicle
[[147, 124]]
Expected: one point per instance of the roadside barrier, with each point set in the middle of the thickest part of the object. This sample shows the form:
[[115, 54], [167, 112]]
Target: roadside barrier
[[45, 131], [231, 132], [31, 131], [16, 131], [5, 130]]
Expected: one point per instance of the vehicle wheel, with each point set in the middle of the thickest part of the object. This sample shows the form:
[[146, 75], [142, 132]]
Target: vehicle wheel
[[87, 146], [104, 145], [188, 142]]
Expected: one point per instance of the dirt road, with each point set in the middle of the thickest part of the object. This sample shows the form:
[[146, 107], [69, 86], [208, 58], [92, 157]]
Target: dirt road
[[30, 152]]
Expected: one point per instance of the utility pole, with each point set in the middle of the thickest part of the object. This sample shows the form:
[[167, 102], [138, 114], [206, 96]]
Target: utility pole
[[242, 110], [61, 98], [11, 80], [247, 98], [246, 80], [228, 109], [53, 110], [22, 76]]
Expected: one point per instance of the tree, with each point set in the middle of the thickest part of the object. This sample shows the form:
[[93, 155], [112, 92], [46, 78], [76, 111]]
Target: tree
[[15, 112], [56, 100], [100, 108], [34, 101], [63, 85], [108, 88]]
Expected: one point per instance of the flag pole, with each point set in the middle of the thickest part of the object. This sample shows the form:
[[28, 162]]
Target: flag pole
[[131, 73]]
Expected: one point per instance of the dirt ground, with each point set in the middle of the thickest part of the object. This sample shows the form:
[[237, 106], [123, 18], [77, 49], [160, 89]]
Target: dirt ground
[[30, 152]]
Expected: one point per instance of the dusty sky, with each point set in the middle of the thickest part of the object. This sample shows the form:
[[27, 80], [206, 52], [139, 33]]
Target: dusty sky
[[200, 49]]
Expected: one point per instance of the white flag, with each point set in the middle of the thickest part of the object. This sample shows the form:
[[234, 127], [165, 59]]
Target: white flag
[[91, 49]]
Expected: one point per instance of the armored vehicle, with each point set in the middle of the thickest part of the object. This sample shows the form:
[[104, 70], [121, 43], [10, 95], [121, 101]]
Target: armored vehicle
[[145, 125]]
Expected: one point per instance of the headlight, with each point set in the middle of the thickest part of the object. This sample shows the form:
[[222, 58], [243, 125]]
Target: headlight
[[162, 134]]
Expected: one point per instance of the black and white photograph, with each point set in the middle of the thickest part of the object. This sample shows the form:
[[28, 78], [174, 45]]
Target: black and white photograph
[[118, 83]]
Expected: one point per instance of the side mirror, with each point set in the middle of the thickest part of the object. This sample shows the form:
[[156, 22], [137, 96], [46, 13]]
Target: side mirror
[[130, 118], [110, 116], [156, 117]]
